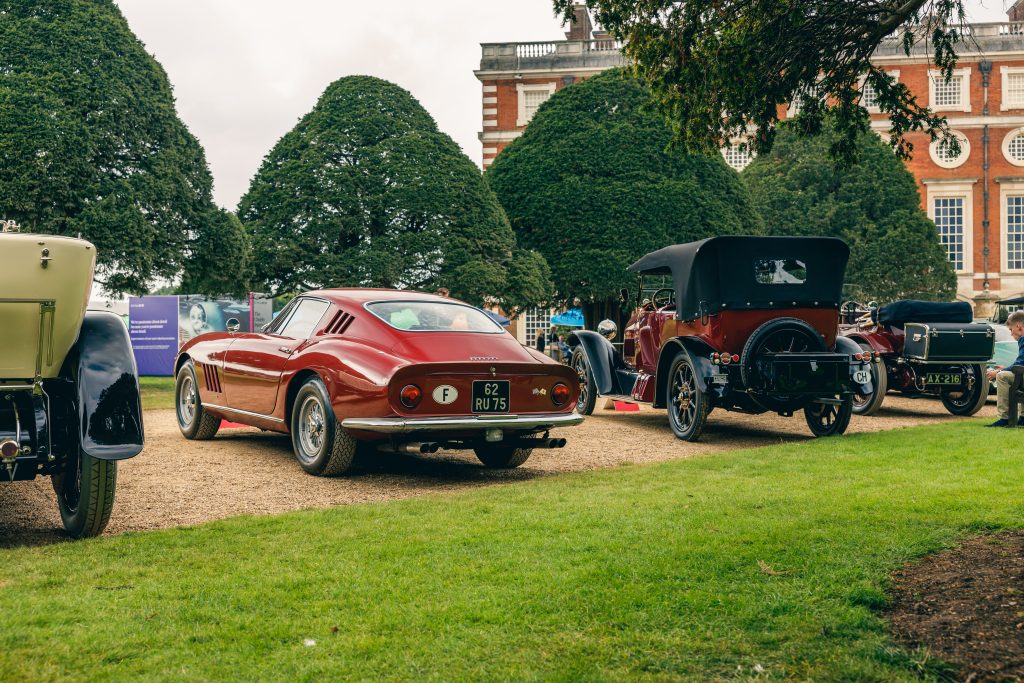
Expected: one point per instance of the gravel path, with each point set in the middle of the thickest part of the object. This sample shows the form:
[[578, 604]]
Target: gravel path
[[175, 482]]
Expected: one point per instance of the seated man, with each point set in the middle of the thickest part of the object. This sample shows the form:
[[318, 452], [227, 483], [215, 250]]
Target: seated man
[[1003, 376]]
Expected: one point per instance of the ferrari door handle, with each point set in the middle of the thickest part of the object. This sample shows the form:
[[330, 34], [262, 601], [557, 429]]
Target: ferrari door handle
[[284, 349]]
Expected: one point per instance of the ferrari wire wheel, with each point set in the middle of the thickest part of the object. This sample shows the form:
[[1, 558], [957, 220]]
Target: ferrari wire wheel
[[311, 428]]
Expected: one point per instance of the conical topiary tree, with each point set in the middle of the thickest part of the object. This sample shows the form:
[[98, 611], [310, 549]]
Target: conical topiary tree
[[90, 142], [873, 204], [593, 185], [366, 191]]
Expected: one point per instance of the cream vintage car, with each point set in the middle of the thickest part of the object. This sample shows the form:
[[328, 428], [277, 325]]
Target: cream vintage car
[[69, 389]]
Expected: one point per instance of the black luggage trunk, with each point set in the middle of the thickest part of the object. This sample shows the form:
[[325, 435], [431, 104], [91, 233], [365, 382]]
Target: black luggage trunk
[[949, 342]]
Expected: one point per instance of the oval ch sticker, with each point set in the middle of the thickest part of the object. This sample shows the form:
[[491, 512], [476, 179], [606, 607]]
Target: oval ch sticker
[[445, 394]]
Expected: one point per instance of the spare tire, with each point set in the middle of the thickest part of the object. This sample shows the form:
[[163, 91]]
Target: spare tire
[[781, 335]]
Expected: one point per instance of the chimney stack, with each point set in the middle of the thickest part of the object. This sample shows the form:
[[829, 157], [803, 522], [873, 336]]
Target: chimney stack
[[582, 27], [1016, 11]]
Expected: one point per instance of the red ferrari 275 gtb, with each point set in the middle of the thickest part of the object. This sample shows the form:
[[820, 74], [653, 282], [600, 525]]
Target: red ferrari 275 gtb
[[403, 371]]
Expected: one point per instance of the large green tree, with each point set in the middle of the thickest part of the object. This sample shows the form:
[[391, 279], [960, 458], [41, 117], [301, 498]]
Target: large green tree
[[593, 186], [722, 67], [873, 204], [90, 142], [366, 191]]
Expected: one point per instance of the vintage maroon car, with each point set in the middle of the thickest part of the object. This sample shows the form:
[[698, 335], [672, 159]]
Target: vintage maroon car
[[750, 325], [922, 347], [398, 370]]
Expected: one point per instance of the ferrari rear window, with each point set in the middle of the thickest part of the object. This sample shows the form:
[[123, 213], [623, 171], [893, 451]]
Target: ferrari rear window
[[433, 316]]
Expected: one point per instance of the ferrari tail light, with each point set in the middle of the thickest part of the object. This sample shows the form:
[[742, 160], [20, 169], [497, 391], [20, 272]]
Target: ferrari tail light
[[735, 358], [560, 394], [410, 395], [726, 358]]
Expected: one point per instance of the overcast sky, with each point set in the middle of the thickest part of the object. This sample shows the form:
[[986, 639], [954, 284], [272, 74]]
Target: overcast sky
[[245, 71]]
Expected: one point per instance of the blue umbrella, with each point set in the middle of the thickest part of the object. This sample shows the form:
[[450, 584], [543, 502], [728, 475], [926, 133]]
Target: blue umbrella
[[571, 318], [497, 317]]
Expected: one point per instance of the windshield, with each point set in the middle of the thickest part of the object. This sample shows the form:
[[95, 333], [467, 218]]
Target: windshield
[[433, 316]]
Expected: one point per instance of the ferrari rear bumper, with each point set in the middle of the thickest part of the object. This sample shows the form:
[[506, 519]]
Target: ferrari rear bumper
[[403, 425]]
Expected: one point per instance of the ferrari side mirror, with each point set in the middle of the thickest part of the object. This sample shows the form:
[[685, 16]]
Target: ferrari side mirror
[[233, 325], [623, 296]]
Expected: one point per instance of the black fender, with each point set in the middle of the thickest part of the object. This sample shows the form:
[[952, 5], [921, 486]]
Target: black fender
[[700, 355], [850, 346], [605, 362], [107, 385]]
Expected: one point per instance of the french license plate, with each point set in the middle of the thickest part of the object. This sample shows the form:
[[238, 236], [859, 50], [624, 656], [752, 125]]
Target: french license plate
[[943, 378], [491, 396], [861, 376], [720, 379]]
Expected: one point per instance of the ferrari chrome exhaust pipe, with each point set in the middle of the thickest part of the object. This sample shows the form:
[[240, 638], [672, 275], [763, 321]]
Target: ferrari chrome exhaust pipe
[[537, 443], [418, 448]]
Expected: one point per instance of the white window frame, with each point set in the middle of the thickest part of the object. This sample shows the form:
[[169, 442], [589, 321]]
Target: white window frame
[[895, 74], [1005, 72], [734, 143], [1006, 146], [961, 190], [965, 90], [1007, 189], [965, 152], [522, 89]]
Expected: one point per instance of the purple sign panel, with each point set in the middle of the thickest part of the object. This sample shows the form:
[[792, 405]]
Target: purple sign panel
[[153, 328]]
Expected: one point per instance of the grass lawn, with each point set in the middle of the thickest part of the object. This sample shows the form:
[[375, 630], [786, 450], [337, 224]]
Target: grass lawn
[[157, 392], [765, 563]]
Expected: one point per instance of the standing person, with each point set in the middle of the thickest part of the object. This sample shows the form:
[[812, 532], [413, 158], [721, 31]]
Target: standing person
[[1004, 376], [553, 347], [540, 341]]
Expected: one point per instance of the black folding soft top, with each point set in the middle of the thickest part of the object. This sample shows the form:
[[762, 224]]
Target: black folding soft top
[[899, 313], [744, 272], [1016, 301]]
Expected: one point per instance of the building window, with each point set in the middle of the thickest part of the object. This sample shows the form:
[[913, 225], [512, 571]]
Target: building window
[[530, 99], [1015, 232], [1013, 147], [738, 154], [943, 154], [951, 95], [868, 96], [799, 98], [948, 214], [1013, 87], [535, 320]]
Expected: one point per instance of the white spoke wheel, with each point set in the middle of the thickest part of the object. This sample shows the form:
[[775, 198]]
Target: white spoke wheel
[[869, 405], [687, 402], [967, 402], [588, 390], [321, 446], [193, 420], [827, 419]]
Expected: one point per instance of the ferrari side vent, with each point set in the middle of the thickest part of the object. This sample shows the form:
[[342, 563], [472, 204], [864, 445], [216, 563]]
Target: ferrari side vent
[[212, 378], [339, 323]]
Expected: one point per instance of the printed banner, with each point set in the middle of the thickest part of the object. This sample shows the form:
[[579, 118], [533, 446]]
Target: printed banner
[[153, 328], [159, 325]]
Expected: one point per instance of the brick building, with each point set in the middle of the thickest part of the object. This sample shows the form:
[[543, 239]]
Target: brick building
[[976, 198]]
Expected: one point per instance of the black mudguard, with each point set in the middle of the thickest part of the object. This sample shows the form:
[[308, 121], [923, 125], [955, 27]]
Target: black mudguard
[[850, 346], [107, 383], [611, 374], [700, 354]]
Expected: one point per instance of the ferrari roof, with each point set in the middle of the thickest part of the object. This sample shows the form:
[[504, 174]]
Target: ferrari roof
[[362, 295]]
